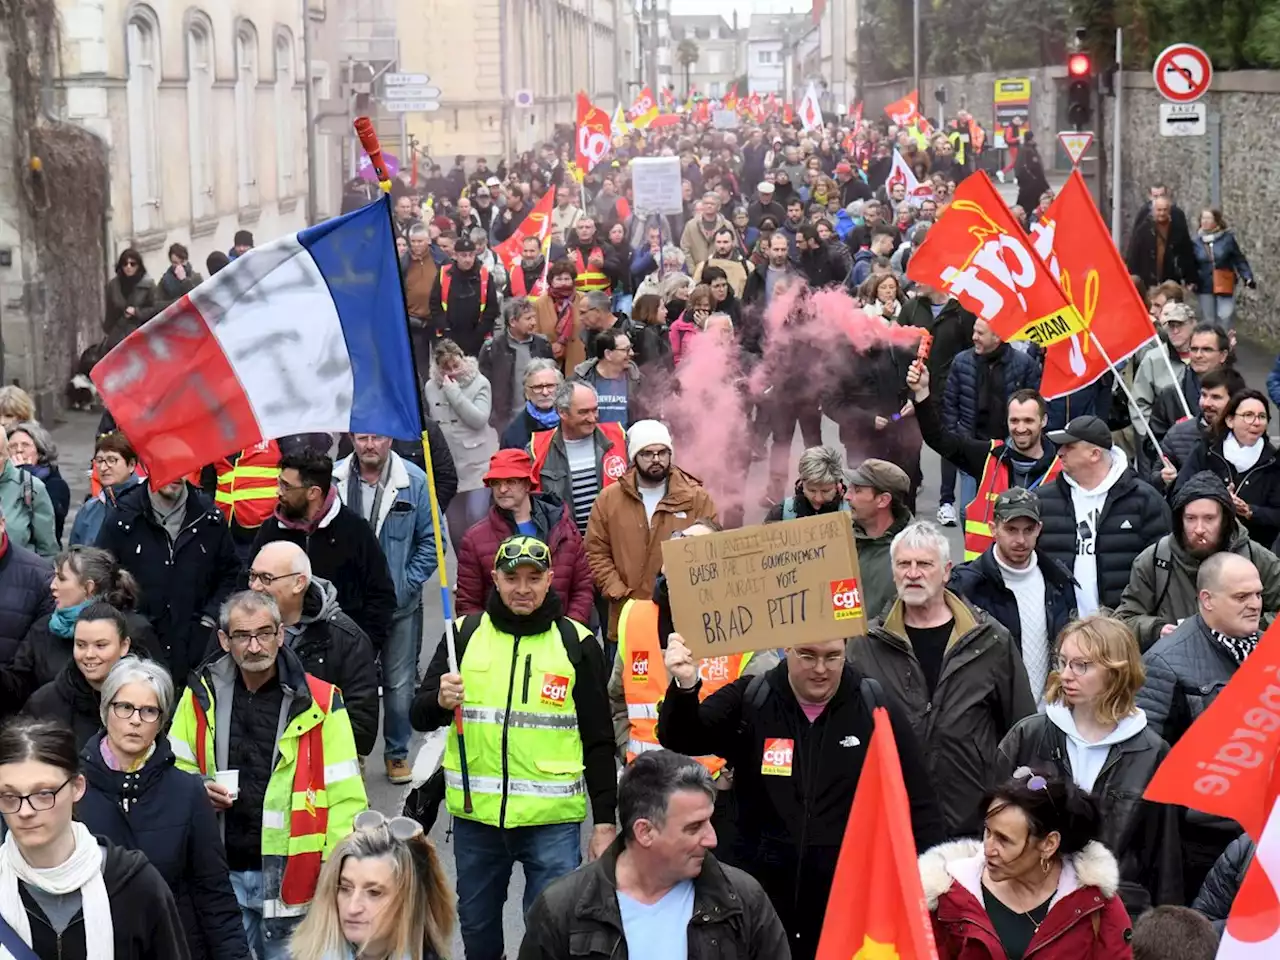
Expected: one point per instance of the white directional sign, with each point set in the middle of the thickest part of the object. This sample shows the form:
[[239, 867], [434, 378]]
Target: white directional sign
[[405, 79], [1183, 119], [419, 91], [411, 106]]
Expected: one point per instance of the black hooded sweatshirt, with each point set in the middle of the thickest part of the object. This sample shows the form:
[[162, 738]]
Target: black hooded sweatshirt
[[144, 919]]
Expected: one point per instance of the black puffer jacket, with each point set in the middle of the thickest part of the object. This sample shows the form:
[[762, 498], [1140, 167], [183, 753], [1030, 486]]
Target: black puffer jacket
[[1180, 443], [42, 655], [145, 924], [790, 827], [578, 916], [1143, 835], [1259, 486], [24, 596], [964, 393], [184, 582], [337, 651], [982, 584], [70, 700], [165, 813], [1133, 517], [1223, 882]]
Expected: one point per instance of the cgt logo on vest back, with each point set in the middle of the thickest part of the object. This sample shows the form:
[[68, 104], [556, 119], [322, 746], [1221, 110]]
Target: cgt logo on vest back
[[555, 689]]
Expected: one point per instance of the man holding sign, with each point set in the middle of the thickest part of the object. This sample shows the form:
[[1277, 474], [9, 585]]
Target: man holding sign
[[796, 738]]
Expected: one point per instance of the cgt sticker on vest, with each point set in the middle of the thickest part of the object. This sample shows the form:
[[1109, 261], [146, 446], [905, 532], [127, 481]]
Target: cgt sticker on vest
[[555, 689], [778, 754], [640, 666], [846, 599]]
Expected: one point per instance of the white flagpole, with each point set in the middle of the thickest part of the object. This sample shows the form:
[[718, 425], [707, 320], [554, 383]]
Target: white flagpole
[[1176, 380], [1133, 402]]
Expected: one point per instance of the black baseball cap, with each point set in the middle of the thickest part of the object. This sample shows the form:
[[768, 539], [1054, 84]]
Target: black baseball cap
[[464, 244], [1087, 429]]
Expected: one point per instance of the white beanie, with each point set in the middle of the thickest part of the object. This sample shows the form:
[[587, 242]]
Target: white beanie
[[647, 433]]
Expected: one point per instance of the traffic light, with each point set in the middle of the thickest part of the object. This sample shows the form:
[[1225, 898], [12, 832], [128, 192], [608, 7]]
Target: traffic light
[[1079, 90]]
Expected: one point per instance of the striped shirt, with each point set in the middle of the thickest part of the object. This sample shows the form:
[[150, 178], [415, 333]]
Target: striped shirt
[[582, 473]]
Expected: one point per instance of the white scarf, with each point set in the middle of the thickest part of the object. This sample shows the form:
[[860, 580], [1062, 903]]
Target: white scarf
[[1239, 456], [82, 871]]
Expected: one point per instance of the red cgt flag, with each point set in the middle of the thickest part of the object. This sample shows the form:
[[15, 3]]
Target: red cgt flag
[[906, 111], [978, 253], [1073, 241], [1223, 763], [877, 907], [595, 134], [536, 224]]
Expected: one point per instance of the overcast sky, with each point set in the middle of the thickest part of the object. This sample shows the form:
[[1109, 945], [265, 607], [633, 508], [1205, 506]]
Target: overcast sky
[[744, 7]]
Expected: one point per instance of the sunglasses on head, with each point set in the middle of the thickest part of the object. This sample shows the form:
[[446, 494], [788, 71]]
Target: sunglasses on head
[[401, 828], [535, 550], [1035, 783]]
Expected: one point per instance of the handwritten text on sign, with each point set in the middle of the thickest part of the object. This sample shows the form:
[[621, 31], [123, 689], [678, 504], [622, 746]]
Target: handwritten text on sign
[[777, 585]]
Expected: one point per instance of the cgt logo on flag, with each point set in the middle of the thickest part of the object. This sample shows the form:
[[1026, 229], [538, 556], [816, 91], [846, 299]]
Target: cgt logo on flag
[[640, 666], [846, 599], [555, 689], [777, 758]]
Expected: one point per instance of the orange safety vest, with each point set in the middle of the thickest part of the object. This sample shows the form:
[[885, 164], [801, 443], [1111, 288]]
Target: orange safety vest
[[445, 273], [613, 466], [247, 489], [995, 481], [520, 289], [644, 678], [301, 870], [588, 278]]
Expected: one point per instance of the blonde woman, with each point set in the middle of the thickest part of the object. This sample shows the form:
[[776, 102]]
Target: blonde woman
[[382, 895], [1092, 732]]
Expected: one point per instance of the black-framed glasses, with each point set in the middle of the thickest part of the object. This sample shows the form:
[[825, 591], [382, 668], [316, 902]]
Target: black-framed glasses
[[400, 828], [267, 579], [124, 710], [41, 800], [243, 638], [109, 460], [649, 456]]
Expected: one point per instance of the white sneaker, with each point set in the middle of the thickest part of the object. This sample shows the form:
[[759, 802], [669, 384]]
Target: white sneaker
[[1000, 175], [947, 514]]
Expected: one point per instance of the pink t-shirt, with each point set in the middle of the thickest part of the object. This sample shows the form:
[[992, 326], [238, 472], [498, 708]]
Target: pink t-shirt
[[811, 710]]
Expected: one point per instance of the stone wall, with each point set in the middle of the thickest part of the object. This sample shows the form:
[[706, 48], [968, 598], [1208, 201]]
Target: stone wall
[[1247, 103]]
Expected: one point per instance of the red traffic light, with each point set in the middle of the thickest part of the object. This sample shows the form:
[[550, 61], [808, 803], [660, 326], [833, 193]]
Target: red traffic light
[[1079, 65]]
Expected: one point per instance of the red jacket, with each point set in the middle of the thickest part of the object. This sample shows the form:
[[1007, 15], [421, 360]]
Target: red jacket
[[572, 576], [1087, 921]]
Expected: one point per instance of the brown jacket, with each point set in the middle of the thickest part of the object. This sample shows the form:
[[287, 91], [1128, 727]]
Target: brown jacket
[[419, 279], [575, 351], [624, 550]]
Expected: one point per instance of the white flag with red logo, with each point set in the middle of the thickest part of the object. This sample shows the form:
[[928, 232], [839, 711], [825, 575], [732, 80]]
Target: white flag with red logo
[[810, 110], [917, 193], [1253, 928]]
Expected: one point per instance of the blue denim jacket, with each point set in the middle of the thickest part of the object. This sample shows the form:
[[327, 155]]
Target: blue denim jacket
[[403, 526]]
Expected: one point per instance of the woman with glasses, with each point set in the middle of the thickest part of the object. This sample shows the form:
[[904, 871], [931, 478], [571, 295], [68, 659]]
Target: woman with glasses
[[1093, 734], [137, 798], [81, 577], [115, 466], [130, 298], [1243, 456], [1038, 883], [64, 893], [382, 895], [74, 696]]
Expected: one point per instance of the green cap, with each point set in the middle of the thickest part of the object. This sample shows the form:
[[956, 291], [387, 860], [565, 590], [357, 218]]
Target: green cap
[[1017, 502], [518, 550]]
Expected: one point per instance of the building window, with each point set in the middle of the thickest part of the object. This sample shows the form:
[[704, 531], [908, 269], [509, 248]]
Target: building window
[[143, 53], [286, 116], [764, 56], [199, 112], [246, 94]]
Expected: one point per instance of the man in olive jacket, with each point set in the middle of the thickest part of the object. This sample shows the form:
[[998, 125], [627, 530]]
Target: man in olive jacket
[[665, 802], [955, 671], [1162, 586]]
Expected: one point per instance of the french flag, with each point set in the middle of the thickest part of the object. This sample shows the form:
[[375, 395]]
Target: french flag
[[305, 334]]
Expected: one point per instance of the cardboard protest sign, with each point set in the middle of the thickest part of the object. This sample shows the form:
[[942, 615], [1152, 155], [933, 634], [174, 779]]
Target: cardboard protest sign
[[776, 585]]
